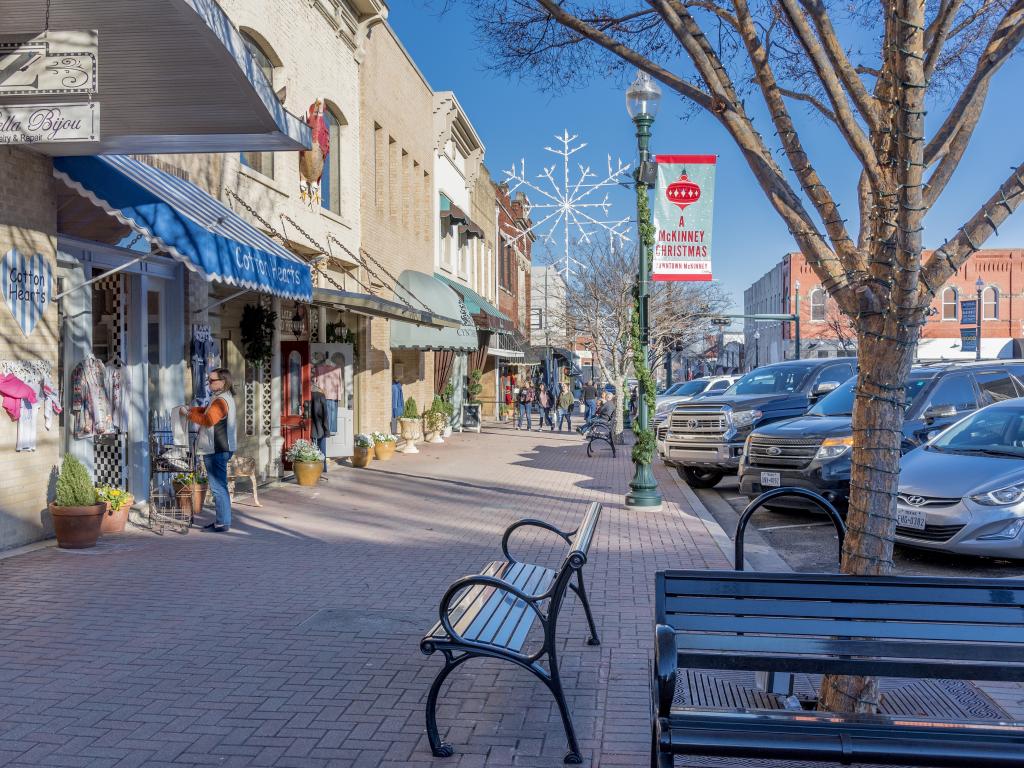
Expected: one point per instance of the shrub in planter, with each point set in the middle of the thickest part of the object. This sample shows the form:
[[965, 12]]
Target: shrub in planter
[[408, 425], [77, 515], [384, 445], [307, 462], [117, 504], [433, 424]]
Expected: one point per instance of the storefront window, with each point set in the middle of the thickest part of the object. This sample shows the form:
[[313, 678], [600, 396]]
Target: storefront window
[[294, 383]]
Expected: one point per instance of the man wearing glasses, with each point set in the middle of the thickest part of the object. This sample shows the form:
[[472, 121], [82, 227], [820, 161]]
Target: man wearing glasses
[[217, 442]]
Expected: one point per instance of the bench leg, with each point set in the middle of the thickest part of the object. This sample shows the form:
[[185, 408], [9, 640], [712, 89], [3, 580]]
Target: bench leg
[[438, 747], [581, 592], [554, 684], [255, 493]]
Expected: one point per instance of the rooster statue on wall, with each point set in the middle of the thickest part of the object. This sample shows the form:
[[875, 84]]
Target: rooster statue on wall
[[311, 161]]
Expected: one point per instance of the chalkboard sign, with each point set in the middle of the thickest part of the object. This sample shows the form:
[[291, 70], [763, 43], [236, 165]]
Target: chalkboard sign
[[471, 417]]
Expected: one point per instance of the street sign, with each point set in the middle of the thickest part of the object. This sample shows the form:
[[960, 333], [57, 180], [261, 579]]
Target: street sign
[[721, 321], [968, 339], [49, 123], [52, 62], [683, 205], [969, 312]]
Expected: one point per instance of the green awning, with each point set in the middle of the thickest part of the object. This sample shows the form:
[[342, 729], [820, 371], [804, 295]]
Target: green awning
[[435, 297], [484, 314]]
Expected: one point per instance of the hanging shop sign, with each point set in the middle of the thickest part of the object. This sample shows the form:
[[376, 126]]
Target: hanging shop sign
[[682, 208], [53, 62], [27, 283], [49, 123]]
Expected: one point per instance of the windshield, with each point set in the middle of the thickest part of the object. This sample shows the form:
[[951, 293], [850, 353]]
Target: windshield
[[996, 431], [771, 380], [688, 388], [840, 402]]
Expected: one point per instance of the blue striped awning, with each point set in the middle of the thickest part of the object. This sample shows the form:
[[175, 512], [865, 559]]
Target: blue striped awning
[[188, 223]]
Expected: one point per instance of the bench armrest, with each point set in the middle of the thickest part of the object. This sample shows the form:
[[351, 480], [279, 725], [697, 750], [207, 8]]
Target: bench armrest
[[665, 659], [487, 581], [536, 524]]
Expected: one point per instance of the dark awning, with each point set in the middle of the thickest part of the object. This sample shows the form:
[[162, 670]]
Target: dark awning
[[374, 306], [472, 230], [422, 290]]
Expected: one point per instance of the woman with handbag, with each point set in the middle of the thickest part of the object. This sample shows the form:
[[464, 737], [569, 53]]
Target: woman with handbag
[[217, 442]]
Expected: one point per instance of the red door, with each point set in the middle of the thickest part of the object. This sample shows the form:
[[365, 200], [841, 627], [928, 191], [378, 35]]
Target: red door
[[295, 393]]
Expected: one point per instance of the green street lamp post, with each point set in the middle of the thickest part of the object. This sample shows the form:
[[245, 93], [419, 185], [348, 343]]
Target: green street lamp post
[[642, 100]]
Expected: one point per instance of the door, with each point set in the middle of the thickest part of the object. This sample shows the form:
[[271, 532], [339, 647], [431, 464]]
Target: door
[[332, 373], [295, 394]]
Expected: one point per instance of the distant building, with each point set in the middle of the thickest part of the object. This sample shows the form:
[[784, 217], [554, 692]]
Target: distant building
[[825, 332]]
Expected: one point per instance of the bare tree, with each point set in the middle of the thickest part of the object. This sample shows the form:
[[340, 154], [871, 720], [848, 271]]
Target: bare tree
[[599, 303], [839, 328], [717, 54]]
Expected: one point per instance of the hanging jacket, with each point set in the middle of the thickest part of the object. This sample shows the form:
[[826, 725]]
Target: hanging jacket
[[397, 400], [89, 400], [14, 390], [319, 426]]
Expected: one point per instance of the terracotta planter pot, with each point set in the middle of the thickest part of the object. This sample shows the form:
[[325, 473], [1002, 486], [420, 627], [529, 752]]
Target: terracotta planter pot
[[384, 451], [114, 522], [361, 457], [77, 527], [191, 497], [307, 472]]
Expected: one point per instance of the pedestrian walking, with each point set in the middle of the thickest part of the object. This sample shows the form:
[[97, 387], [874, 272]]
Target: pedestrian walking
[[565, 404], [545, 403], [589, 400], [319, 424], [524, 406], [397, 403], [217, 442]]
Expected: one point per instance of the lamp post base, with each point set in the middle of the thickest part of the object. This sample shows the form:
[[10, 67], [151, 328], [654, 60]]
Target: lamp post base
[[643, 490]]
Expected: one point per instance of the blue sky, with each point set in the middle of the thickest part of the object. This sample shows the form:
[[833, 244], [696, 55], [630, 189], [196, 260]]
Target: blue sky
[[516, 121]]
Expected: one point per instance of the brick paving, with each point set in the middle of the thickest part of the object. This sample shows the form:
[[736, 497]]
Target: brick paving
[[294, 640]]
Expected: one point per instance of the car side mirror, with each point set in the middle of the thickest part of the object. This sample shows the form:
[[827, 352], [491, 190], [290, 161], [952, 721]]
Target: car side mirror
[[940, 412], [824, 388]]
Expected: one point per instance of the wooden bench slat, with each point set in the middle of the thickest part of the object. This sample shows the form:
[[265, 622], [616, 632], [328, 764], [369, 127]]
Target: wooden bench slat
[[998, 593], [1012, 615], [795, 626]]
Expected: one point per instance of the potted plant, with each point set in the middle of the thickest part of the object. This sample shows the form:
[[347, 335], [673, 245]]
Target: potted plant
[[503, 412], [77, 515], [117, 504], [407, 425], [190, 490], [433, 424], [384, 445], [362, 450], [307, 462], [471, 409]]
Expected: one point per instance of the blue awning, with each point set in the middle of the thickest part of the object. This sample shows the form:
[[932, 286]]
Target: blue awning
[[188, 223]]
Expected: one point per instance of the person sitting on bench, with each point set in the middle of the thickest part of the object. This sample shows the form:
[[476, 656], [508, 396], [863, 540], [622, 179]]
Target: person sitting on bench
[[605, 414]]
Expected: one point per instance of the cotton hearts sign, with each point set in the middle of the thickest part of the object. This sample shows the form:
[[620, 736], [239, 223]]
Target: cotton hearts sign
[[27, 283]]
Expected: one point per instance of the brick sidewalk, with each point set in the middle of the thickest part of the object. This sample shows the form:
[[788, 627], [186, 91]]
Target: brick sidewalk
[[209, 650]]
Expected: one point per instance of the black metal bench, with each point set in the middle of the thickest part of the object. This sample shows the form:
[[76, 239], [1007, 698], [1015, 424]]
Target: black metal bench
[[892, 626], [490, 616], [600, 430]]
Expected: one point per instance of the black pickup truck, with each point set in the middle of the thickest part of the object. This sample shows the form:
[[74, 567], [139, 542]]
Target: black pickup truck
[[703, 439]]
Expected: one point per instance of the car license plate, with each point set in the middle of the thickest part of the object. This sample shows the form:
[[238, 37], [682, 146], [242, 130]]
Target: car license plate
[[770, 480], [910, 518]]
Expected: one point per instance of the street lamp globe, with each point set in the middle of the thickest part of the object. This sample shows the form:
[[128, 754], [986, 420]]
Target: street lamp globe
[[643, 97], [757, 335], [979, 284]]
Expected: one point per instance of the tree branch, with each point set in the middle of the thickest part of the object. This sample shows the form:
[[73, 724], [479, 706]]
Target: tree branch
[[947, 259], [937, 33], [1004, 41], [816, 103]]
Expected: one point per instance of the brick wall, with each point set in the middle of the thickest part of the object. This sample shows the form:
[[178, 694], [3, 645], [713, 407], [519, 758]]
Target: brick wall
[[28, 222]]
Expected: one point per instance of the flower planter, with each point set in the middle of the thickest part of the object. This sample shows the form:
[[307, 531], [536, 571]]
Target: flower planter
[[362, 456], [307, 472], [190, 496], [407, 428], [77, 527], [384, 451], [114, 522]]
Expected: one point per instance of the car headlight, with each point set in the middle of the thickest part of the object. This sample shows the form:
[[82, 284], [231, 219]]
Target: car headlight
[[745, 418], [834, 447], [1002, 497], [664, 408], [1010, 531]]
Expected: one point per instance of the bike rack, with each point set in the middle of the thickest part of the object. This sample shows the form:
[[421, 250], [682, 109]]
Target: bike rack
[[820, 501]]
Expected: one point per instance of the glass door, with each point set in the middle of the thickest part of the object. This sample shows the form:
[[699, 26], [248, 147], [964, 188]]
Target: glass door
[[295, 394]]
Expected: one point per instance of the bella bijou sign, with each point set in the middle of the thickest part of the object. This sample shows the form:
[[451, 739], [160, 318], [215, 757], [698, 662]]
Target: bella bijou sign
[[683, 206], [49, 123]]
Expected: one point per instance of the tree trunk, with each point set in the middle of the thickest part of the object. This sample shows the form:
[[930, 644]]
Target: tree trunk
[[874, 479], [619, 380]]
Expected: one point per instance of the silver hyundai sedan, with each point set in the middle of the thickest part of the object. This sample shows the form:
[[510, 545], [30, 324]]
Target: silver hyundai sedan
[[964, 490]]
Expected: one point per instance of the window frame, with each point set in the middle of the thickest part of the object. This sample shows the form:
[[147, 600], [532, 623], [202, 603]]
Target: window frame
[[259, 162], [994, 303], [955, 304], [818, 300], [332, 164]]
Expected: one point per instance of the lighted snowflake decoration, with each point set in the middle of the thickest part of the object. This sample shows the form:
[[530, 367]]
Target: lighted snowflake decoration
[[567, 211]]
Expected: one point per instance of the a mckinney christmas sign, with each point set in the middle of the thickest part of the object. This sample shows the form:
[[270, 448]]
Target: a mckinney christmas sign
[[683, 206]]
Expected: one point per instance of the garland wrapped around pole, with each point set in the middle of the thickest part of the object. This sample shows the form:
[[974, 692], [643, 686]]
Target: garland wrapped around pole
[[643, 449]]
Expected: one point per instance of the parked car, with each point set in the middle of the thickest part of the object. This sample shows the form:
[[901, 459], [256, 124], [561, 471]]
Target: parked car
[[703, 439], [685, 391], [813, 451], [963, 491]]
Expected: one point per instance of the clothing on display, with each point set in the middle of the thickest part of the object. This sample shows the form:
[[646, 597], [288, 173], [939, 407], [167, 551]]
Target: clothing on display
[[330, 377], [318, 416], [397, 400], [14, 390], [332, 417], [51, 401], [28, 423], [115, 382], [204, 355], [89, 401]]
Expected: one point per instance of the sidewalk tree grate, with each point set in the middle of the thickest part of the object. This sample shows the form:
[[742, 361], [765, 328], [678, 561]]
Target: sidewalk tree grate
[[354, 620]]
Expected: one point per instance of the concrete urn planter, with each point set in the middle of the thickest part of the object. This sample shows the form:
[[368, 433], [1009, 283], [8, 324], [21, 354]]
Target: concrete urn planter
[[408, 429]]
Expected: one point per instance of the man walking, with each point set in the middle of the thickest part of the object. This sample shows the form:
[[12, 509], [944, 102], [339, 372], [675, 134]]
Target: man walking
[[524, 407], [565, 404], [589, 400]]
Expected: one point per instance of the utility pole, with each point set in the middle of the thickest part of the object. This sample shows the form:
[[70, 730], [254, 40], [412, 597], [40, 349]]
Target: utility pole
[[796, 315]]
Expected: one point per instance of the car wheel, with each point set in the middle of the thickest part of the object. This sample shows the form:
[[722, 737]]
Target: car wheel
[[699, 478]]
